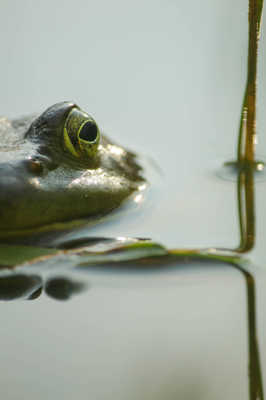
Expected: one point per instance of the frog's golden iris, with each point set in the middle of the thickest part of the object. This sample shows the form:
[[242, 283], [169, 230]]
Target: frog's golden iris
[[81, 134]]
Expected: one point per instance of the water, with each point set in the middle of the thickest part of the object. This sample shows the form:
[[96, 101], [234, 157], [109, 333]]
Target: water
[[169, 85]]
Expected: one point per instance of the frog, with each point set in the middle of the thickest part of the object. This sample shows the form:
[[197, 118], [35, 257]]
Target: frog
[[59, 171]]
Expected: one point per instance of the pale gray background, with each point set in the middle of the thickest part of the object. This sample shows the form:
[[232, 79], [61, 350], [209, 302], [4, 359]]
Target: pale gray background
[[166, 79]]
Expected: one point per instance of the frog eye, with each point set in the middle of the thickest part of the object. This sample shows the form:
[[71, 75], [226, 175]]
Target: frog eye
[[81, 134]]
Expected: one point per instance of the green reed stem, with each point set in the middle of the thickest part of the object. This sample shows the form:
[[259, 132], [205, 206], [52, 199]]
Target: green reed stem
[[247, 129]]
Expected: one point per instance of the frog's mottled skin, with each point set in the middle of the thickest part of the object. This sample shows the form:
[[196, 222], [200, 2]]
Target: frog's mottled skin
[[43, 187]]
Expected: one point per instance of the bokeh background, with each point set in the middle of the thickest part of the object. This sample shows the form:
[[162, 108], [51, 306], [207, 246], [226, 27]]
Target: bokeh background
[[166, 79]]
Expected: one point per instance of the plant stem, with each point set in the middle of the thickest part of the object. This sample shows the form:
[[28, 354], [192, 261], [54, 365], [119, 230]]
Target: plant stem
[[247, 130]]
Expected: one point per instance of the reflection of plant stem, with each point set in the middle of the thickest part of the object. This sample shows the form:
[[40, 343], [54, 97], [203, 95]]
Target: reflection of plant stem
[[255, 379]]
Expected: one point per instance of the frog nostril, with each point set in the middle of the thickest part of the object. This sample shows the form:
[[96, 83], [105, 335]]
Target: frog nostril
[[88, 132]]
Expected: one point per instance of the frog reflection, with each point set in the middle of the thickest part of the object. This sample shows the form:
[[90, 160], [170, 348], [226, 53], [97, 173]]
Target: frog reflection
[[30, 287]]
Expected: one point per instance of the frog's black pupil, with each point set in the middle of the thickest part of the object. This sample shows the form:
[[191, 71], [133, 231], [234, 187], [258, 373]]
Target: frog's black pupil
[[88, 132]]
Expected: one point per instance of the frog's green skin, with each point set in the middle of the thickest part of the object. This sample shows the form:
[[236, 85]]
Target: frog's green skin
[[45, 187]]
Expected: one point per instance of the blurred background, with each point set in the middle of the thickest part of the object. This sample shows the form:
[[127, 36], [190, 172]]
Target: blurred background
[[165, 79]]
